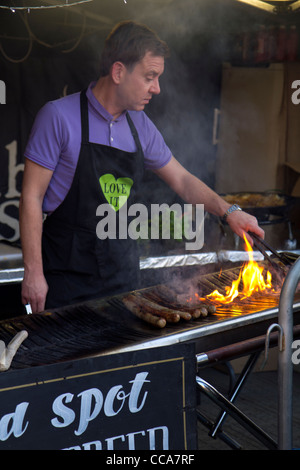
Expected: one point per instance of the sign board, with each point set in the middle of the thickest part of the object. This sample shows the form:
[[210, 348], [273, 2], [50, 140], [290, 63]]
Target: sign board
[[141, 400]]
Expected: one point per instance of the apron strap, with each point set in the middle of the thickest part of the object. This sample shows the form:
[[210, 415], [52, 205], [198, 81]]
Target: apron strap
[[85, 123], [134, 134], [84, 117]]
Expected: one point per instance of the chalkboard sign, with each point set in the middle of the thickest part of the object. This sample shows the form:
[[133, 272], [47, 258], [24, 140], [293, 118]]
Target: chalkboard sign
[[141, 400]]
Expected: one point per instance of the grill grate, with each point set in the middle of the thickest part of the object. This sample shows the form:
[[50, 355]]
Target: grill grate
[[106, 325], [253, 304], [64, 334]]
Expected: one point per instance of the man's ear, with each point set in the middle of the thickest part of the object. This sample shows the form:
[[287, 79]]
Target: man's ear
[[117, 71]]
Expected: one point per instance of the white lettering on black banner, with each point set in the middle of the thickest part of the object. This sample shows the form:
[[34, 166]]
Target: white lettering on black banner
[[10, 199]]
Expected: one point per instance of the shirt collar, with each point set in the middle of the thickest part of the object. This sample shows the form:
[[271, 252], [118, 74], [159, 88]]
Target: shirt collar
[[98, 108]]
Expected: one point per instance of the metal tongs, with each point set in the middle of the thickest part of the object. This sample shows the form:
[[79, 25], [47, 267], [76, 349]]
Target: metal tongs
[[287, 259]]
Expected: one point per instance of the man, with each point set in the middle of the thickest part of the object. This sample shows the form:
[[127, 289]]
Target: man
[[80, 147]]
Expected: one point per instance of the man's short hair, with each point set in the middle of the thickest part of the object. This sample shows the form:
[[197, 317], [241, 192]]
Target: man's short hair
[[128, 43]]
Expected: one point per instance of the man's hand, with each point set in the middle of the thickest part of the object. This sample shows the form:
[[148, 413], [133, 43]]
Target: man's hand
[[241, 223], [35, 182], [34, 291]]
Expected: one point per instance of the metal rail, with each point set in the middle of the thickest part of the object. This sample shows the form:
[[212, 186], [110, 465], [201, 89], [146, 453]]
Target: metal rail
[[254, 346], [285, 365], [285, 370], [228, 407]]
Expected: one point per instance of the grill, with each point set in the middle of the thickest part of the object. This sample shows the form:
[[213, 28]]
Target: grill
[[105, 326]]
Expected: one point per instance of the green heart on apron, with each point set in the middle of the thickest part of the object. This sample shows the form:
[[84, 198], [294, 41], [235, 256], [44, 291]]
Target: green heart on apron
[[115, 191]]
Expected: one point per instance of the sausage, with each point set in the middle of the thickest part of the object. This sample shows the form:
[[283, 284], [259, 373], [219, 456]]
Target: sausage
[[211, 309], [130, 303], [166, 293], [152, 303], [203, 311], [195, 310], [149, 306], [172, 316]]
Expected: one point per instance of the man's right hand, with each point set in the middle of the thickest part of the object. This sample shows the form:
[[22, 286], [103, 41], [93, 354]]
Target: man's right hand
[[34, 291], [35, 182]]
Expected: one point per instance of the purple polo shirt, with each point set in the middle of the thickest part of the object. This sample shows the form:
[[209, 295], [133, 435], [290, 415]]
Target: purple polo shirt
[[55, 140]]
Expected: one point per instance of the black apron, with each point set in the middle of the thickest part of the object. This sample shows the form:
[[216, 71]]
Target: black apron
[[78, 266]]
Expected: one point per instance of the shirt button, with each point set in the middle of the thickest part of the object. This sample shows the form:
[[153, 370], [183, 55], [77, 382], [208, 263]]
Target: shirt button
[[111, 139]]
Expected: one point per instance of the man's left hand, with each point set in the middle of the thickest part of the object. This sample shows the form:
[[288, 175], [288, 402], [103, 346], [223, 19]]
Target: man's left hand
[[241, 223]]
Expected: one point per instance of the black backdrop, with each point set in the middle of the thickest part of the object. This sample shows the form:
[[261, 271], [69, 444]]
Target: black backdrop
[[28, 86], [189, 87], [44, 54]]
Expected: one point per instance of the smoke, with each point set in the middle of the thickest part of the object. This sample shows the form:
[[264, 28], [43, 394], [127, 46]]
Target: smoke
[[198, 34], [190, 85], [190, 90]]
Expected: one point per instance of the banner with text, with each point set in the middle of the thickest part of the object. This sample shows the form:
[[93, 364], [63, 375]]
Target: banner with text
[[142, 400]]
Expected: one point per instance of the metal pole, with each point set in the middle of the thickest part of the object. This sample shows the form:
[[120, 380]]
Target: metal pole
[[285, 366], [233, 411], [234, 393]]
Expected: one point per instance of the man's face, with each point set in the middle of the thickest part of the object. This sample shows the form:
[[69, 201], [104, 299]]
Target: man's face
[[139, 84]]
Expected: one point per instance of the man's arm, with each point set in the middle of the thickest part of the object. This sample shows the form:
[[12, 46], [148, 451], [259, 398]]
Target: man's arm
[[35, 182], [194, 191]]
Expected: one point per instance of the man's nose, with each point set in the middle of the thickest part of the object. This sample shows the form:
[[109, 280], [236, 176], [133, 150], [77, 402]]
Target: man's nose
[[155, 88]]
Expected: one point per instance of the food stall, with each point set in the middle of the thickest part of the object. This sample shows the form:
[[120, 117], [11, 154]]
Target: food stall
[[119, 373]]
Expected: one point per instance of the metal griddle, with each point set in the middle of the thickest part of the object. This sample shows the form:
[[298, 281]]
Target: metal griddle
[[105, 326]]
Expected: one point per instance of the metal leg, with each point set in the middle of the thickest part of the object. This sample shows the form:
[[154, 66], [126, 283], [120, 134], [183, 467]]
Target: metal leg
[[231, 374], [221, 434], [236, 389], [233, 411], [285, 366]]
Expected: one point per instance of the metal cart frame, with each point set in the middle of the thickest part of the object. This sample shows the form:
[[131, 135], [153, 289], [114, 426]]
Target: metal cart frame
[[284, 338]]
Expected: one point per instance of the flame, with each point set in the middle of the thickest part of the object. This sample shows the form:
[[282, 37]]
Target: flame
[[253, 281]]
